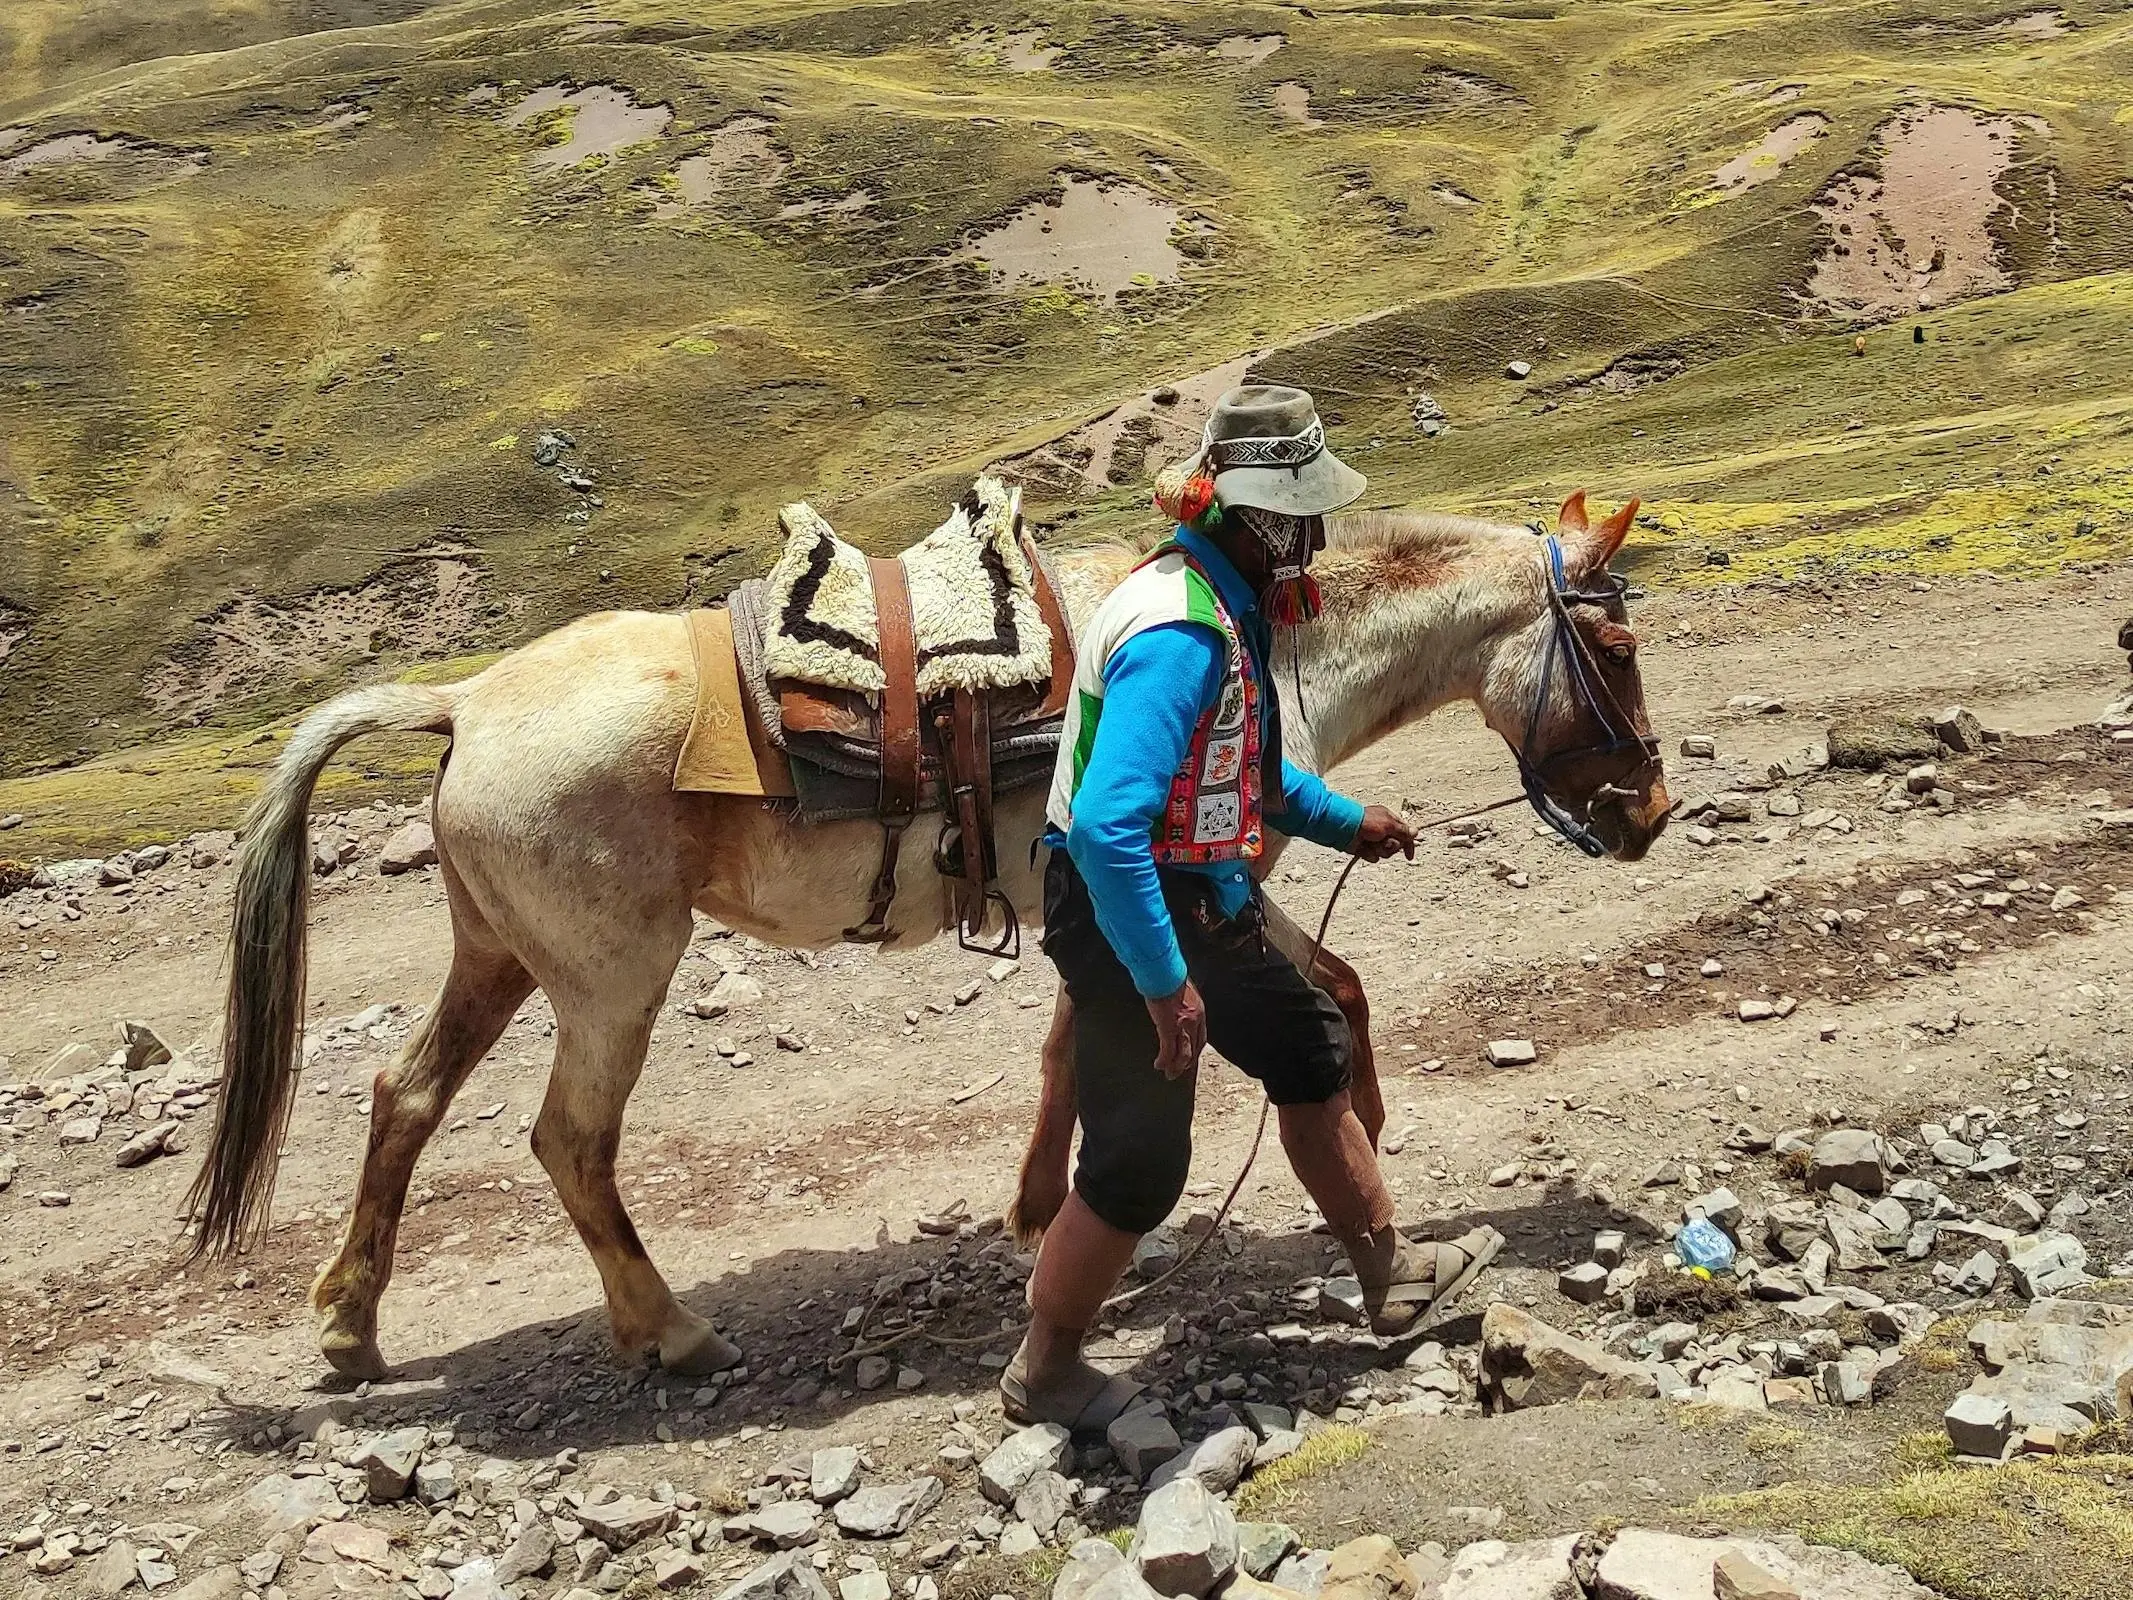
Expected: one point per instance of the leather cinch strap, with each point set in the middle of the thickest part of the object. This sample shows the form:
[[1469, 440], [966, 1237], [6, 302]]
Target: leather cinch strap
[[898, 646], [1054, 615], [970, 751], [897, 643]]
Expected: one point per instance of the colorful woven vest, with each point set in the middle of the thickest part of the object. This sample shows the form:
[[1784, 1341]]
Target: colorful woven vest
[[1215, 808]]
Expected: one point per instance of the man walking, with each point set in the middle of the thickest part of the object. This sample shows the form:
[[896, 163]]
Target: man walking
[[1169, 769]]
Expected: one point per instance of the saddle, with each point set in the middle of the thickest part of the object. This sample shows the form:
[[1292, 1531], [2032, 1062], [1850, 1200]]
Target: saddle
[[945, 722]]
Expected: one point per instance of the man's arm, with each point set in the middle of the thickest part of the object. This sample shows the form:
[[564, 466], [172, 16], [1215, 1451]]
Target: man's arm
[[1311, 810], [1156, 685], [1314, 812]]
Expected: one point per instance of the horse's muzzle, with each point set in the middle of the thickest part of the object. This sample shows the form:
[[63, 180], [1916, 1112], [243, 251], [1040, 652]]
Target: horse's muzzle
[[1626, 820]]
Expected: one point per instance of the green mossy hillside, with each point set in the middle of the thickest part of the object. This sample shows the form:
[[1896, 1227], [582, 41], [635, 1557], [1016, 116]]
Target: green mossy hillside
[[277, 358]]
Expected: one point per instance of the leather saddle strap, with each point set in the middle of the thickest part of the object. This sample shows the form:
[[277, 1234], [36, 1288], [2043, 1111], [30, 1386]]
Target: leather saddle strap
[[971, 735], [897, 643], [1054, 615]]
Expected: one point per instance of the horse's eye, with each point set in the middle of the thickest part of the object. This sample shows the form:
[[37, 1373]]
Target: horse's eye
[[1622, 652]]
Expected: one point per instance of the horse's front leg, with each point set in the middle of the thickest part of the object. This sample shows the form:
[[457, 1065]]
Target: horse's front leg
[[1340, 980]]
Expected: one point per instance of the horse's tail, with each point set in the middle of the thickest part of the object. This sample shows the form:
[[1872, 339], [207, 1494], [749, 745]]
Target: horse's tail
[[262, 1026]]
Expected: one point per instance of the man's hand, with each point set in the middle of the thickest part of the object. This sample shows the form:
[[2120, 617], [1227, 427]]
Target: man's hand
[[1180, 1030], [1382, 835]]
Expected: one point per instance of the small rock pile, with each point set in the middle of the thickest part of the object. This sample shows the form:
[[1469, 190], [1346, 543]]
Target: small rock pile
[[141, 1092], [2064, 1367], [490, 1525], [1912, 750], [1189, 1543], [1855, 1206]]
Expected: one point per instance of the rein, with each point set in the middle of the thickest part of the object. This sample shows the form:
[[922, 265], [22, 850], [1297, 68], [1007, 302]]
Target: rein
[[1318, 948], [922, 1329], [1592, 691]]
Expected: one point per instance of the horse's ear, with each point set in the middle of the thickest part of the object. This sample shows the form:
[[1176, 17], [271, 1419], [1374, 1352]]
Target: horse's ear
[[1596, 546], [1571, 519], [1616, 528]]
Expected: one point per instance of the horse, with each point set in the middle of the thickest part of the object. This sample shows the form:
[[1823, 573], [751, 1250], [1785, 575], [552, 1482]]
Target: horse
[[572, 865]]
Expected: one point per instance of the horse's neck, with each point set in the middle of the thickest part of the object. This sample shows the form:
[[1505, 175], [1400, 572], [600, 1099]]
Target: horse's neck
[[1385, 653], [1392, 655]]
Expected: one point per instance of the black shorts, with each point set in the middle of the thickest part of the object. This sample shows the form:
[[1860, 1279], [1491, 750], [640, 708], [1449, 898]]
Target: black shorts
[[1262, 1014]]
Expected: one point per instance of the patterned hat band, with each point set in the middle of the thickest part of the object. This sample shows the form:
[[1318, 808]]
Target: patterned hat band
[[1295, 450]]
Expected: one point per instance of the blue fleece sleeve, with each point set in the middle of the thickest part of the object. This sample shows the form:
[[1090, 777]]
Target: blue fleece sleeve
[[1156, 685], [1315, 812]]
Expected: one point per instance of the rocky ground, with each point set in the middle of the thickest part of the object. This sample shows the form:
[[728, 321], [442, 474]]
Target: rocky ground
[[1867, 1024]]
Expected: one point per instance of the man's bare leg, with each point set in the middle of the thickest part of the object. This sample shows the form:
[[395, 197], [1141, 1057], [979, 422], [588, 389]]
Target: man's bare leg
[[1331, 1153], [1078, 1266]]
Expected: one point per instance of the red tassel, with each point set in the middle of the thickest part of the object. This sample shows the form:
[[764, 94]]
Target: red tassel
[[1296, 601]]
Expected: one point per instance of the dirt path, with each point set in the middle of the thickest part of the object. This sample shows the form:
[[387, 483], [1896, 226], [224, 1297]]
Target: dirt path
[[778, 1194]]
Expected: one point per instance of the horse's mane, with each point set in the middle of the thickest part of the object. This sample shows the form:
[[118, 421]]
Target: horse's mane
[[1408, 533], [1402, 549], [1396, 532]]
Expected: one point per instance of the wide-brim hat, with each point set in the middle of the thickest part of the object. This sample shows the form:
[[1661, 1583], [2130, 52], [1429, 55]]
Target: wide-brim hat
[[1266, 448]]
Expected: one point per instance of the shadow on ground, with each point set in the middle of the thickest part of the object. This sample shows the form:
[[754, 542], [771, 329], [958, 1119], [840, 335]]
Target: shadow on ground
[[786, 1312]]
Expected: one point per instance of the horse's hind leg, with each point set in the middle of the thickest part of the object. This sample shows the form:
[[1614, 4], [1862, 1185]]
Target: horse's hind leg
[[1345, 985], [1341, 982], [481, 992], [1042, 1187], [601, 1037]]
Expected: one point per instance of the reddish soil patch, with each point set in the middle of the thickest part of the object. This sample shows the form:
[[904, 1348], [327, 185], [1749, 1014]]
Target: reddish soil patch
[[1918, 235]]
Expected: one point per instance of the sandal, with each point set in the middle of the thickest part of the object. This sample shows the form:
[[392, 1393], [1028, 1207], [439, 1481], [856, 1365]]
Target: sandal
[[1088, 1401], [1426, 1278]]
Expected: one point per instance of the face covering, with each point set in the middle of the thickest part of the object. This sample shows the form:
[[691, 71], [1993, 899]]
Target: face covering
[[1291, 595]]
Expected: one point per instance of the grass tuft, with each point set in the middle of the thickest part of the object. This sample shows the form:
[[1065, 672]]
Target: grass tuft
[[1684, 1294], [1322, 1452], [1774, 1439], [2039, 1528]]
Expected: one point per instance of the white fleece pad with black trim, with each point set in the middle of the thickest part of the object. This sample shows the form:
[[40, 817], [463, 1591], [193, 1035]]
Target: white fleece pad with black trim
[[973, 603], [821, 608]]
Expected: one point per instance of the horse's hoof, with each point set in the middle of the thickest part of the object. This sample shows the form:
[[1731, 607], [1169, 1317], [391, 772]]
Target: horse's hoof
[[695, 1349], [352, 1355]]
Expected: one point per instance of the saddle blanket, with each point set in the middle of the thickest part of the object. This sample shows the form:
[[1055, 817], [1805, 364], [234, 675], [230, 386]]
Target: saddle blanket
[[728, 749], [973, 603]]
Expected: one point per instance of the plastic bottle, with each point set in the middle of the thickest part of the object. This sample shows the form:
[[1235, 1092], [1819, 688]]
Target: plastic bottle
[[1703, 1247]]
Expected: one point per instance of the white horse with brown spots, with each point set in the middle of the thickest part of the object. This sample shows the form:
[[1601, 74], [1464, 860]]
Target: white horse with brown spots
[[571, 865]]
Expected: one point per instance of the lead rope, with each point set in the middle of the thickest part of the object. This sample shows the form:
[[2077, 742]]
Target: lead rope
[[922, 1329]]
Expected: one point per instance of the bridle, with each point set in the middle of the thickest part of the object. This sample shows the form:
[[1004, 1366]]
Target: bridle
[[1589, 686]]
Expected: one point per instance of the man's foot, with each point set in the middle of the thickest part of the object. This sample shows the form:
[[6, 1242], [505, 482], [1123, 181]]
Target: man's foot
[[1423, 1279], [1084, 1400]]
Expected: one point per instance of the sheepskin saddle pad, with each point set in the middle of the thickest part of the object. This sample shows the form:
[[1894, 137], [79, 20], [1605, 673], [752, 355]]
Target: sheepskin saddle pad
[[973, 603]]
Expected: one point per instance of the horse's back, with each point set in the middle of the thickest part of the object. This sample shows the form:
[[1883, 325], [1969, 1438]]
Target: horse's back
[[612, 689]]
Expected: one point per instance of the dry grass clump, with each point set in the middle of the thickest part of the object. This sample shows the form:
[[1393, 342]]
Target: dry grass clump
[[2039, 1528], [1686, 1297], [1775, 1439], [1322, 1452]]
